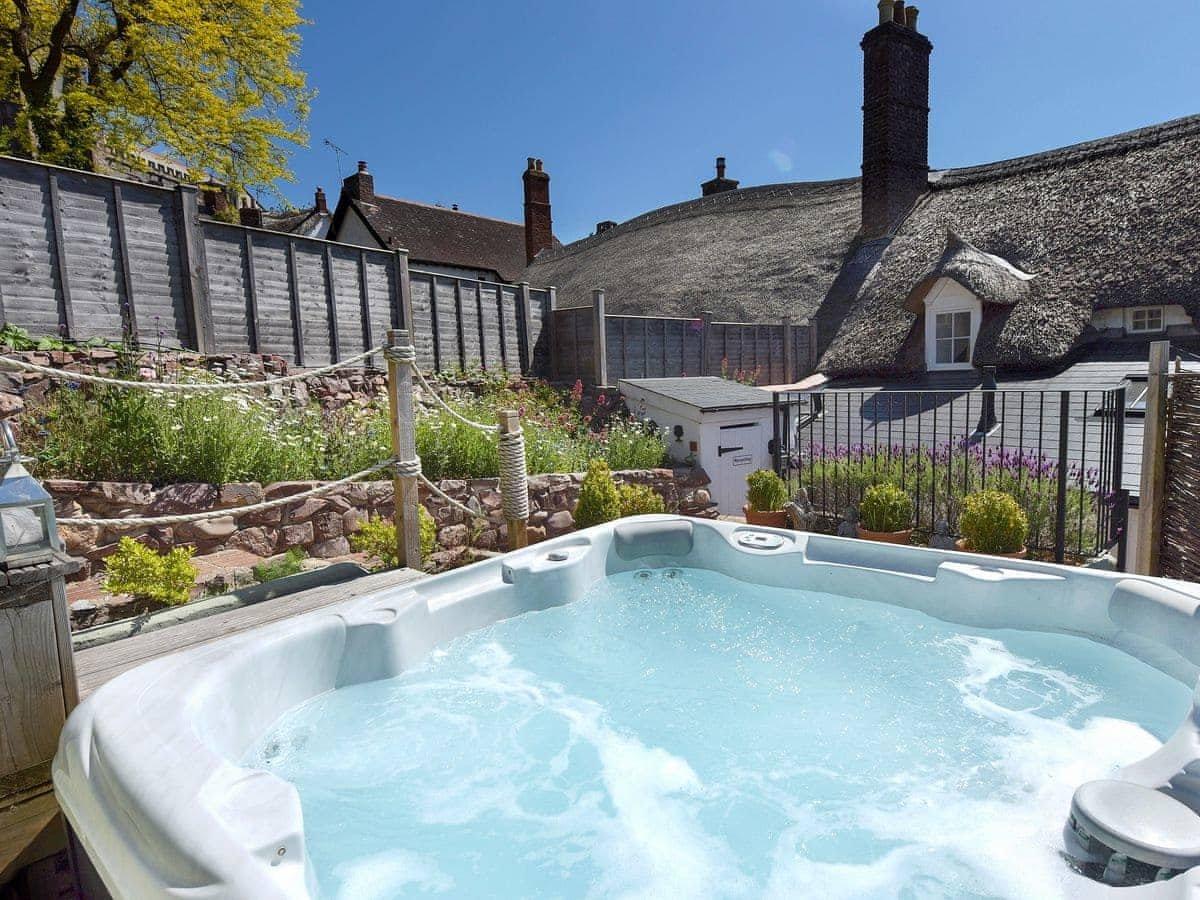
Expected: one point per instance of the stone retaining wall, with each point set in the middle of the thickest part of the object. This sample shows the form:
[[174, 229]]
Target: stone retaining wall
[[321, 525], [19, 389]]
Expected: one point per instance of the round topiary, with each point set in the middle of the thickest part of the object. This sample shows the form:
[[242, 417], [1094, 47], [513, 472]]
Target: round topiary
[[599, 501], [885, 508], [993, 522], [766, 491]]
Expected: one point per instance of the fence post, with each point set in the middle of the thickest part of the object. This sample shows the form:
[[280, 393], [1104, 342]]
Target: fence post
[[1154, 441], [599, 339], [518, 535], [789, 352], [404, 447], [66, 311], [525, 331], [1060, 512], [192, 263], [551, 332], [705, 322], [402, 307], [294, 303]]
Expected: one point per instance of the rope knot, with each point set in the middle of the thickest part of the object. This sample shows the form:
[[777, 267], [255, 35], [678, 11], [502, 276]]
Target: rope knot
[[405, 355], [408, 468]]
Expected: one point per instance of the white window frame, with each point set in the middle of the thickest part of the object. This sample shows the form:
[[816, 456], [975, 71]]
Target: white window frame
[[1131, 322], [948, 297]]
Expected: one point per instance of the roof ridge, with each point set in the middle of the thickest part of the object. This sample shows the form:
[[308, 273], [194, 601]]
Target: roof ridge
[[445, 209], [695, 206], [1123, 142]]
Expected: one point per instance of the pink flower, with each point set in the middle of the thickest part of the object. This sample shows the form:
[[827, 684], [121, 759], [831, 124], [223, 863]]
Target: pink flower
[[601, 400]]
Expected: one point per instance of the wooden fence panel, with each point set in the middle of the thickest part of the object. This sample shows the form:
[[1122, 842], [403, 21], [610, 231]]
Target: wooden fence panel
[[229, 285], [347, 299], [313, 298], [272, 286], [88, 221], [383, 295], [422, 324], [152, 242], [30, 289]]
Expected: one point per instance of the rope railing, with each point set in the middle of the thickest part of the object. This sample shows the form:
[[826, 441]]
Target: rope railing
[[514, 481], [183, 387]]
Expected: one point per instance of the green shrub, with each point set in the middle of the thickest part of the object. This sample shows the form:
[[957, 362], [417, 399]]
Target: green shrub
[[640, 500], [599, 501], [289, 565], [767, 491], [993, 522], [886, 508], [377, 538], [136, 569]]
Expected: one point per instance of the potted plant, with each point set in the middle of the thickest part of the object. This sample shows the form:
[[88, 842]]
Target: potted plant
[[885, 515], [992, 522], [766, 496]]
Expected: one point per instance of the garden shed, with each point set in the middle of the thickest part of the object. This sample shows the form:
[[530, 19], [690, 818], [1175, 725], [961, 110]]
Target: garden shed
[[721, 425]]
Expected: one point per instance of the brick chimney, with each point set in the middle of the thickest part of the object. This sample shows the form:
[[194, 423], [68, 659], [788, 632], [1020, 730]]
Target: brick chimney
[[720, 184], [360, 185], [606, 225], [250, 215], [539, 231], [895, 117], [320, 202]]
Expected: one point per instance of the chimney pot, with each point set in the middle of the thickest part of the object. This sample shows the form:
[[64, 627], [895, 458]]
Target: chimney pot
[[898, 12], [910, 17], [529, 163], [362, 165], [720, 167], [538, 163], [885, 11]]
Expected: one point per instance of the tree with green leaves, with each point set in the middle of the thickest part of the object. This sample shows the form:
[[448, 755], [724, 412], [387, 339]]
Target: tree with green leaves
[[214, 82]]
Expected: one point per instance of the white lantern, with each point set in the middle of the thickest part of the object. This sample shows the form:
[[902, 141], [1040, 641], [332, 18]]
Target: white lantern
[[28, 534]]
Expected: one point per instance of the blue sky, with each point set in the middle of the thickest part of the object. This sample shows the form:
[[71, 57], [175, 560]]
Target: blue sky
[[629, 102]]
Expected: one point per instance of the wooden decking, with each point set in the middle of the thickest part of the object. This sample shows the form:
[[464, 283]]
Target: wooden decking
[[97, 665]]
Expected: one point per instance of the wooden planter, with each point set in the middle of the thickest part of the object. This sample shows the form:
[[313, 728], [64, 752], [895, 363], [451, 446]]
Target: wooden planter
[[962, 545], [774, 519], [886, 537]]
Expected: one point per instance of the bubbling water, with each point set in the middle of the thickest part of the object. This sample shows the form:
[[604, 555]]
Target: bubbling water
[[677, 733]]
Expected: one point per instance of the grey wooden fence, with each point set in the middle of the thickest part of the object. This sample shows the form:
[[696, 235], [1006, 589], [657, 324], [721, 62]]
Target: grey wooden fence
[[85, 255], [659, 347], [461, 323]]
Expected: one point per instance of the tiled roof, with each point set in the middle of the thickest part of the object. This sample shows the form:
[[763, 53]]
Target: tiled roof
[[434, 234]]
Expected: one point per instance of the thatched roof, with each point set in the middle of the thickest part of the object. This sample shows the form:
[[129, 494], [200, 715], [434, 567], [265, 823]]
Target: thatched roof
[[1111, 223], [989, 277], [750, 255]]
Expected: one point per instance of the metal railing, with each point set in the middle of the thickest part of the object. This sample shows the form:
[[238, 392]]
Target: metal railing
[[1059, 453]]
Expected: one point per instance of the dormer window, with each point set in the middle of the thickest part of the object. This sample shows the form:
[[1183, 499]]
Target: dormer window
[[952, 316], [1145, 319]]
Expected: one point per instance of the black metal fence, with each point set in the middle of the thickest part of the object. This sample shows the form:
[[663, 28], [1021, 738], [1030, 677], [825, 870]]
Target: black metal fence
[[1059, 453]]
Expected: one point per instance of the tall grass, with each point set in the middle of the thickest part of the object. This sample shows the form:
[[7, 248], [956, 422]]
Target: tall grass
[[117, 435]]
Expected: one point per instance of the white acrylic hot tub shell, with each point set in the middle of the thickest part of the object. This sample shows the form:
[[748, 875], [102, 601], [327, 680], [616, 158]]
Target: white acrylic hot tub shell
[[146, 769]]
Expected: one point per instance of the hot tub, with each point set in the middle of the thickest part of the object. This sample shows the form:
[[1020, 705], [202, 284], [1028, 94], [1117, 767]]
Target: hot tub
[[665, 707]]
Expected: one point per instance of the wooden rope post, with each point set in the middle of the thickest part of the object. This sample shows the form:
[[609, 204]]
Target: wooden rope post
[[404, 447], [1150, 498], [518, 535]]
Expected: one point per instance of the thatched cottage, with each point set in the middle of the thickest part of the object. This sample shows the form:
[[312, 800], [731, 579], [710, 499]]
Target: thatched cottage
[[1027, 264]]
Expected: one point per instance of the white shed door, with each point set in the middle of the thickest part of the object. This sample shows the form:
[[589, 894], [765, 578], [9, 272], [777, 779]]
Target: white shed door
[[741, 450]]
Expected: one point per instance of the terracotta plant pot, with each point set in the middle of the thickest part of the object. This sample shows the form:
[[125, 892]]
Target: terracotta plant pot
[[775, 519], [886, 537], [961, 544]]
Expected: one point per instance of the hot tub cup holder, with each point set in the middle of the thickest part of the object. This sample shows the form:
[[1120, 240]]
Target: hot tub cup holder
[[760, 540]]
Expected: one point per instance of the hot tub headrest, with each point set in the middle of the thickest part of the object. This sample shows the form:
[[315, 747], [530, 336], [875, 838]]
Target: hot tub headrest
[[639, 539], [1157, 612]]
